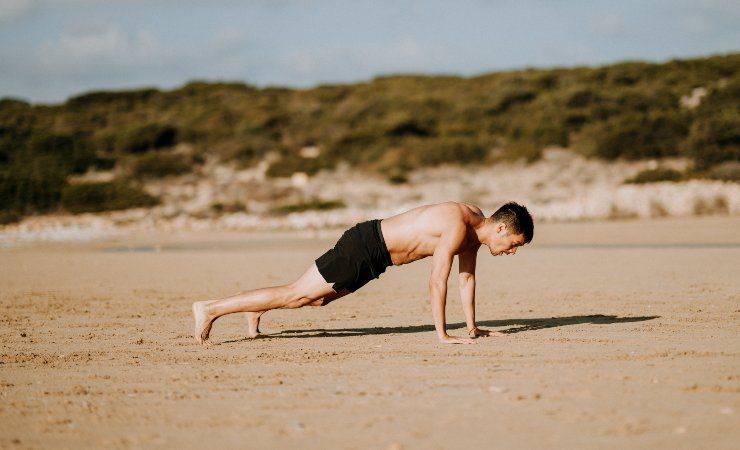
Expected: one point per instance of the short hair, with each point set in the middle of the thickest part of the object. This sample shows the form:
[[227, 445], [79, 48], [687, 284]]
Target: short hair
[[517, 220]]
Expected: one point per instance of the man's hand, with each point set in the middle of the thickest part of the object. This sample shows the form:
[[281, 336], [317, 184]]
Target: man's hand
[[447, 339], [477, 332]]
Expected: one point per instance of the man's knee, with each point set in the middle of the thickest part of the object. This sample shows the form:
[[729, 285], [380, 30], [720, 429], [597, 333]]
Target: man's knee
[[319, 302], [325, 300], [296, 297], [298, 301]]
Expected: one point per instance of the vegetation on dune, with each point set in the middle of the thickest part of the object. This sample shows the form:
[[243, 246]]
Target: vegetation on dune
[[157, 164], [95, 197], [390, 124], [307, 205], [714, 133], [656, 175], [727, 171]]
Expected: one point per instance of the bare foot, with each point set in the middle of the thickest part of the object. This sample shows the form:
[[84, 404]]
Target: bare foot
[[202, 323], [254, 324]]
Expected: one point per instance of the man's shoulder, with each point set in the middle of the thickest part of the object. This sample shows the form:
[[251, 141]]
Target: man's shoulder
[[456, 205], [460, 212], [450, 212], [451, 218], [472, 207]]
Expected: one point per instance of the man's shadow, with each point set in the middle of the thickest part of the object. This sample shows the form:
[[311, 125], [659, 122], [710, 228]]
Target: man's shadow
[[516, 326]]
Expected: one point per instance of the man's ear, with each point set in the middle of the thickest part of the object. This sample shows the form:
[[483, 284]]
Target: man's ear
[[500, 228]]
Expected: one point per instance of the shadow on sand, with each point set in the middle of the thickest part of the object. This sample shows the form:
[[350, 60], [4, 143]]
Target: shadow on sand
[[516, 326]]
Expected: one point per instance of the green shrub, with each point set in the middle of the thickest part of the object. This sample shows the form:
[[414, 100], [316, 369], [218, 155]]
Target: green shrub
[[290, 163], [727, 171], [155, 165], [142, 138], [34, 164], [32, 183], [247, 147], [13, 103], [540, 127], [403, 124], [628, 73], [715, 139], [582, 98], [73, 152], [95, 197], [715, 133], [309, 205], [358, 147], [655, 176], [8, 217], [456, 150], [233, 207], [124, 100], [397, 177], [104, 163], [505, 99], [634, 136], [518, 150]]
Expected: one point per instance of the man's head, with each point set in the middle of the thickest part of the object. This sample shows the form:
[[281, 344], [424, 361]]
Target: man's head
[[512, 227]]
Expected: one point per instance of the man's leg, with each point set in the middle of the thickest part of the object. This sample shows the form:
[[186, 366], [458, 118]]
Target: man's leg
[[253, 318], [309, 288]]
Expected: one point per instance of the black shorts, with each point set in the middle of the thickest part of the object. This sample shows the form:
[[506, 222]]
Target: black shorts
[[359, 256]]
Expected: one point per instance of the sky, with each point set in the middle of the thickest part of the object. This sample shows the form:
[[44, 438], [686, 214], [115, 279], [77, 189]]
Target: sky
[[53, 49]]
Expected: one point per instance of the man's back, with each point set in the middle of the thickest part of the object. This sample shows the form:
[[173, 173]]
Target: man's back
[[414, 234]]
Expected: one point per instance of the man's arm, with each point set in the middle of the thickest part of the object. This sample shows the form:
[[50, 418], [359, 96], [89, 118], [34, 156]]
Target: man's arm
[[441, 266], [466, 281]]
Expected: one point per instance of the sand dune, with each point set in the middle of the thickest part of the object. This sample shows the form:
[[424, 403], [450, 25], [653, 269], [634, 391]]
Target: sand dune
[[562, 186]]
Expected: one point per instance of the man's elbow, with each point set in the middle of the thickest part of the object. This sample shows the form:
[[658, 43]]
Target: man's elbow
[[466, 280], [437, 285]]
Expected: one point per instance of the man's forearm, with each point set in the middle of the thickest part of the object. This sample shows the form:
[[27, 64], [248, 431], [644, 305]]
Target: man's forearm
[[467, 298], [438, 294]]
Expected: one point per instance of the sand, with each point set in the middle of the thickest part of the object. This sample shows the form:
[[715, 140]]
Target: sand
[[617, 335]]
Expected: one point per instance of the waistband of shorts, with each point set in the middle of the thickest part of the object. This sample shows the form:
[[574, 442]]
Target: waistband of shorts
[[386, 253]]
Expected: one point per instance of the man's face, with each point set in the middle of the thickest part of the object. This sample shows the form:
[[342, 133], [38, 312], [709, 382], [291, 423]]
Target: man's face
[[505, 243]]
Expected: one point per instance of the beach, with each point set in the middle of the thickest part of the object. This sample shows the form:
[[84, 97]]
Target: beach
[[619, 334]]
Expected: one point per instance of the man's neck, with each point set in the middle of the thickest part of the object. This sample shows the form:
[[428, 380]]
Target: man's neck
[[482, 230]]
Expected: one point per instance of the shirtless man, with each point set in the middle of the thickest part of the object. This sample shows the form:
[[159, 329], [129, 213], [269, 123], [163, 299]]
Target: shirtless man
[[365, 250]]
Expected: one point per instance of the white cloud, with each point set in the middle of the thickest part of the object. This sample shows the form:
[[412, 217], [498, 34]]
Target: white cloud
[[12, 10], [609, 25], [702, 16], [100, 48], [304, 42], [402, 55], [229, 37]]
